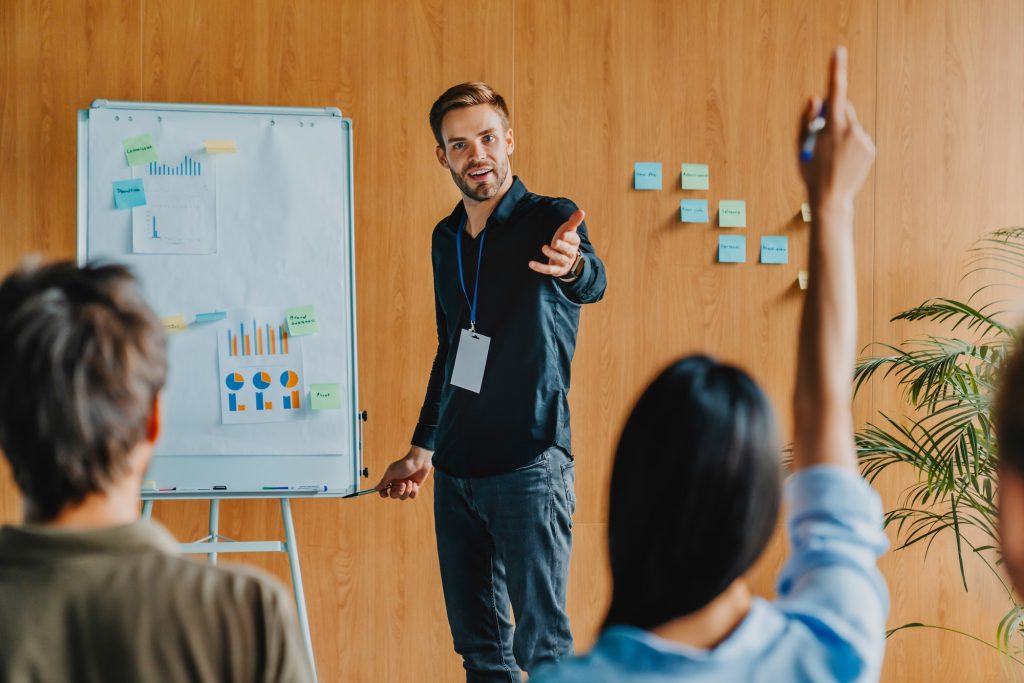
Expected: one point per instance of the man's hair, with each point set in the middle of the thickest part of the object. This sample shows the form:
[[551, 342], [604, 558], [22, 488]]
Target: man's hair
[[465, 95], [82, 358], [1009, 413], [695, 491]]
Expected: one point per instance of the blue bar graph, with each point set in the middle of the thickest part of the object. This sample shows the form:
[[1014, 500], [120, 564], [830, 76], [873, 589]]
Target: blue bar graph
[[188, 167], [156, 235]]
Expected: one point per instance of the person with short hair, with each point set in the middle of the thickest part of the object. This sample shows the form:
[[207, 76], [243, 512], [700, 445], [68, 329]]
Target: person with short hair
[[88, 591], [681, 609], [511, 271]]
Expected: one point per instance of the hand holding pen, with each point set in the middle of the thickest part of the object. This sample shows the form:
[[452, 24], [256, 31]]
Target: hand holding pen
[[839, 152]]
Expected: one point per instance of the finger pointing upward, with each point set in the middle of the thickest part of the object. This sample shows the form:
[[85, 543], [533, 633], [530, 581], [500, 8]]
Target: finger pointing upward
[[570, 225]]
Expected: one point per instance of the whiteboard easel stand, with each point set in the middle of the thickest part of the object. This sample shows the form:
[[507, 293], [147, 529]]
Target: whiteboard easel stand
[[214, 543]]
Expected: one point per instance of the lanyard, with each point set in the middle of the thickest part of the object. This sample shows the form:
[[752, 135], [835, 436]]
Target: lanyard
[[462, 279]]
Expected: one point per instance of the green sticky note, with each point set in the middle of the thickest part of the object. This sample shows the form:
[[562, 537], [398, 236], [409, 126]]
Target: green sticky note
[[695, 176], [140, 149], [732, 213], [302, 321], [325, 396]]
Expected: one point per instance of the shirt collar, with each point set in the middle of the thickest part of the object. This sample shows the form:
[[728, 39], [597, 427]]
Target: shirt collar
[[501, 213], [32, 542], [757, 631]]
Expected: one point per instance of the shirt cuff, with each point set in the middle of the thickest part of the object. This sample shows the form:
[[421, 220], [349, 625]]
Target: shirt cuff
[[423, 437]]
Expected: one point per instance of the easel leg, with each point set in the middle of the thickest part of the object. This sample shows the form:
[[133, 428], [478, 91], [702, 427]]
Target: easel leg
[[214, 524], [147, 509], [300, 596]]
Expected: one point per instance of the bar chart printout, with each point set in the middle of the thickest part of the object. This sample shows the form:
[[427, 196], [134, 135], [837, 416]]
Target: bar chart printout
[[180, 214], [261, 368]]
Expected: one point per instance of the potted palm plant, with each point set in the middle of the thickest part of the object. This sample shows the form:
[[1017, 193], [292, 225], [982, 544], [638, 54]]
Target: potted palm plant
[[948, 383]]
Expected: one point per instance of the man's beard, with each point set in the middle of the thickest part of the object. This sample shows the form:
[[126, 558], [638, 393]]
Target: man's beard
[[500, 173]]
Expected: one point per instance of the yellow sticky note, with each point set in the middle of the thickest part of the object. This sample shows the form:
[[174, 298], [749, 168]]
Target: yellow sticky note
[[805, 211], [302, 321], [802, 278], [221, 146], [175, 324]]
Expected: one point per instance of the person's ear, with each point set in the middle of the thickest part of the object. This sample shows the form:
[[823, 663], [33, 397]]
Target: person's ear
[[155, 422], [510, 143], [442, 158]]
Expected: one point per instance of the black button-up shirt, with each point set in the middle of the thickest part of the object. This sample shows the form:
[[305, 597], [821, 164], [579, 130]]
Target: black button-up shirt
[[531, 319]]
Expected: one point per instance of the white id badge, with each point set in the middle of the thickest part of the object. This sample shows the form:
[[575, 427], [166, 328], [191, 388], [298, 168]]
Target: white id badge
[[470, 360]]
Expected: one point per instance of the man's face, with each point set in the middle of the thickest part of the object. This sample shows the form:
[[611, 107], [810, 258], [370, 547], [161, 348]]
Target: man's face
[[476, 150]]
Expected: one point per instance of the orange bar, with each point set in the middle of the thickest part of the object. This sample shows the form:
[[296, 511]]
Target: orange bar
[[295, 400], [284, 332], [268, 406], [270, 336], [234, 346], [242, 407], [259, 341], [247, 352]]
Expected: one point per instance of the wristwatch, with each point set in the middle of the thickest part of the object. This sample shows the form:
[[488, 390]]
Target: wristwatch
[[576, 269]]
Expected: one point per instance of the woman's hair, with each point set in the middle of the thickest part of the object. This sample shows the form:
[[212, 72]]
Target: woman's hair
[[695, 491]]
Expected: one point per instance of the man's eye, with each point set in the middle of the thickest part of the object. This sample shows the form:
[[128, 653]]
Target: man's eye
[[458, 145], [489, 138]]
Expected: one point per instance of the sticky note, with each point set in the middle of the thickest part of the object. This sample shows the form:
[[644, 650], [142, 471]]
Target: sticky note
[[647, 175], [805, 212], [732, 213], [695, 176], [129, 193], [693, 211], [325, 396], [211, 317], [175, 324], [802, 278], [140, 149], [775, 249], [220, 146], [732, 249], [302, 321]]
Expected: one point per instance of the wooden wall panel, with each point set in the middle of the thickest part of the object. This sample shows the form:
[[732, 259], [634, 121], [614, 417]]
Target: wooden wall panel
[[950, 165], [593, 87]]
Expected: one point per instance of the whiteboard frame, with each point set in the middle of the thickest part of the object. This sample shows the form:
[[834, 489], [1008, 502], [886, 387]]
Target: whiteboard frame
[[83, 251]]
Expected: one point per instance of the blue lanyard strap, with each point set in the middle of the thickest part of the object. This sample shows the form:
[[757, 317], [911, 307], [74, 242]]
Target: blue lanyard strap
[[462, 279]]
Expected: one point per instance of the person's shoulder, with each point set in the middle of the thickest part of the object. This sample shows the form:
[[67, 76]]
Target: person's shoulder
[[573, 670], [560, 207], [231, 586]]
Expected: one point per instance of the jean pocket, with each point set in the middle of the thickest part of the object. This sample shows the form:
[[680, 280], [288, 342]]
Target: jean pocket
[[569, 483]]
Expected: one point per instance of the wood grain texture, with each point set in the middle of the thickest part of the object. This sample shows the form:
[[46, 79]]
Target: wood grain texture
[[593, 86]]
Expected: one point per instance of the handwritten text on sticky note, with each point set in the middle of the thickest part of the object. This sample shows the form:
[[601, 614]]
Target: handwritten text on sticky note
[[693, 211], [302, 321], [647, 175], [732, 249], [140, 149], [775, 249], [175, 324], [732, 213], [325, 396], [129, 193], [695, 176]]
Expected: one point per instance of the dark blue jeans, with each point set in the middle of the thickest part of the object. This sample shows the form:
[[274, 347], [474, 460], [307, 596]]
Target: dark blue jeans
[[500, 540]]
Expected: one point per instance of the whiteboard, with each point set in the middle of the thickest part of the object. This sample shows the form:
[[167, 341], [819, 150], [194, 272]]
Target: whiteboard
[[278, 233]]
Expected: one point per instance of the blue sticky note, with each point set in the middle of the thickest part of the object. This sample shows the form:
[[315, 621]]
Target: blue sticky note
[[732, 249], [211, 317], [775, 249], [129, 193], [732, 213], [647, 175], [693, 211]]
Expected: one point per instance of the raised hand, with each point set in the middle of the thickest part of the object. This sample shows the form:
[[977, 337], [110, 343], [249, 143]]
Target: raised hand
[[564, 248]]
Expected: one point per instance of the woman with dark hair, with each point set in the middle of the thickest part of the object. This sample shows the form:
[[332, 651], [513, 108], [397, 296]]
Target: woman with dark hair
[[681, 609]]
